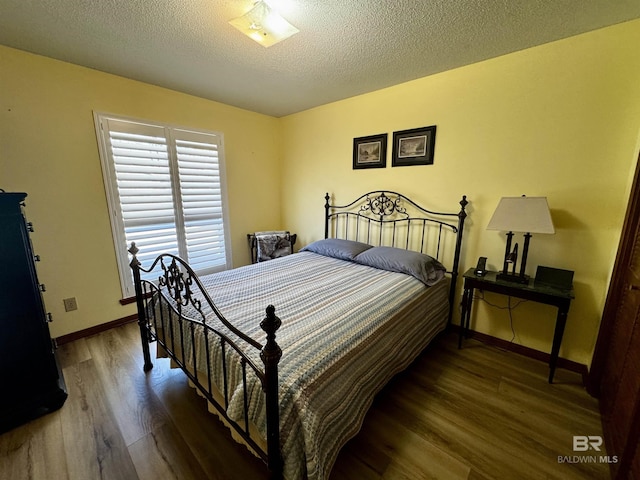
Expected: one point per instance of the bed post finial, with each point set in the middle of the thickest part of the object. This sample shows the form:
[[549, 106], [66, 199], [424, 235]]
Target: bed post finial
[[133, 250], [270, 355], [463, 204], [270, 325]]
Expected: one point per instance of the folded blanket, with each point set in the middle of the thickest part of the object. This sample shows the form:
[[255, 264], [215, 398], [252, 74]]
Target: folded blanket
[[270, 245]]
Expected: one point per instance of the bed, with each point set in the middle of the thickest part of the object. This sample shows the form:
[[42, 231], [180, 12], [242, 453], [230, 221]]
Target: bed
[[290, 353]]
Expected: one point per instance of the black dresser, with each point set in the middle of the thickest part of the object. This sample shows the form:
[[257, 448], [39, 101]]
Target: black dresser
[[32, 382]]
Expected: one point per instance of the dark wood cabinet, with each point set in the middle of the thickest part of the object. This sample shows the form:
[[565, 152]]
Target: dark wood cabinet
[[32, 382]]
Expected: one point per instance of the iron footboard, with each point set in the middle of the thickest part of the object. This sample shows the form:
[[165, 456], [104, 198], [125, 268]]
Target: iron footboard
[[170, 312]]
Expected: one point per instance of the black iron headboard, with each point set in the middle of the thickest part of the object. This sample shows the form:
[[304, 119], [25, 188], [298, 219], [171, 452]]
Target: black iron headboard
[[389, 218]]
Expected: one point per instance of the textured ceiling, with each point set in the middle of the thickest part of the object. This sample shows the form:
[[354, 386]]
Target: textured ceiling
[[344, 48]]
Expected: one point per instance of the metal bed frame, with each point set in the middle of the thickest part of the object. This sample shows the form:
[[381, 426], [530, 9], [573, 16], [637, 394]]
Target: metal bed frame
[[382, 214]]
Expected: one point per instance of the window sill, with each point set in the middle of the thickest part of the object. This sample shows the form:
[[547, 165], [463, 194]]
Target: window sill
[[129, 300]]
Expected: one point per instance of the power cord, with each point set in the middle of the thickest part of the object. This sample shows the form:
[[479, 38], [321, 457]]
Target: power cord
[[509, 307]]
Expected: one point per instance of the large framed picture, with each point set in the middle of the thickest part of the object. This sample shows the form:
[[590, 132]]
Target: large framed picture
[[413, 147], [370, 152]]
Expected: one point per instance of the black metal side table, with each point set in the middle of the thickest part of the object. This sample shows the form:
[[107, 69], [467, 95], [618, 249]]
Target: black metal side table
[[530, 291]]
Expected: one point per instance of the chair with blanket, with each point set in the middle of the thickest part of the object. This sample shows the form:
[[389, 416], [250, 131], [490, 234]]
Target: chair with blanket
[[269, 245]]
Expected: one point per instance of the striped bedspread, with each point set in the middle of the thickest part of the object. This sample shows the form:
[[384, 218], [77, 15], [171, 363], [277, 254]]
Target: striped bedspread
[[346, 330]]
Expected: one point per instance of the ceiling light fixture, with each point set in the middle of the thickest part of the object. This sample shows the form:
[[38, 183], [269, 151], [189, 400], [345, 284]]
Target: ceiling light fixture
[[264, 25]]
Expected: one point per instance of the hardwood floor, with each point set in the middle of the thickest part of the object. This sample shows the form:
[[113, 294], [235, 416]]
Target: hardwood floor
[[476, 413]]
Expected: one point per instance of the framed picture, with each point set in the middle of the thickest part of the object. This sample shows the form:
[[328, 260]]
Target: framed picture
[[413, 147], [370, 152]]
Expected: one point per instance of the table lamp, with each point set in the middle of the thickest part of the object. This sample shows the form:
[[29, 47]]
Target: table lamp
[[522, 215]]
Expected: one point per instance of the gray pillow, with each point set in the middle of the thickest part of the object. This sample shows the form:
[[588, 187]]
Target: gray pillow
[[337, 248], [423, 267]]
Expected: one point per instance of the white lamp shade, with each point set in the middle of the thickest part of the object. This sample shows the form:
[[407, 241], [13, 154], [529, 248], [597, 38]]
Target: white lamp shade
[[522, 214]]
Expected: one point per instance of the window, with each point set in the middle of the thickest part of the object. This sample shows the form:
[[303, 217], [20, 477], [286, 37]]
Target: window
[[165, 190]]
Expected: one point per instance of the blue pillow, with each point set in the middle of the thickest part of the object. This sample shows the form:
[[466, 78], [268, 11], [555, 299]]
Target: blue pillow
[[337, 248], [423, 267]]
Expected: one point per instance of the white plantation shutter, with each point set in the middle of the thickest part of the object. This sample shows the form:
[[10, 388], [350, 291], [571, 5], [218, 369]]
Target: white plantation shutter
[[165, 189], [201, 194]]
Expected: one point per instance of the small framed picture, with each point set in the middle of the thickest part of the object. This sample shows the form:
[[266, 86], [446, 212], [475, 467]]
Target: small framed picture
[[370, 152], [414, 147]]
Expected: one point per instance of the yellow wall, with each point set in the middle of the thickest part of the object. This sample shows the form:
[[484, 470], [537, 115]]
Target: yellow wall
[[560, 120], [48, 149]]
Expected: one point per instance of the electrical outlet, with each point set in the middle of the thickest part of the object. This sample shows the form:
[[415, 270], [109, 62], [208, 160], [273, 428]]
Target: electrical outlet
[[70, 304]]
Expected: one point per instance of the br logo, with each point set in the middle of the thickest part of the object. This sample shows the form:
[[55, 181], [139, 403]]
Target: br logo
[[584, 443]]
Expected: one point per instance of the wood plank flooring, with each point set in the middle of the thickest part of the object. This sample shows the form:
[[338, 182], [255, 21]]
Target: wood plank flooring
[[477, 413]]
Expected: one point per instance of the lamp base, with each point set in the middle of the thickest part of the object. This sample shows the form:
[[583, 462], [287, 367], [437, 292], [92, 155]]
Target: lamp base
[[513, 278]]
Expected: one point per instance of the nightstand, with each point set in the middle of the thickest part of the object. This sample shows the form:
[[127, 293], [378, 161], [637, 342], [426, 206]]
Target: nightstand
[[536, 293]]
